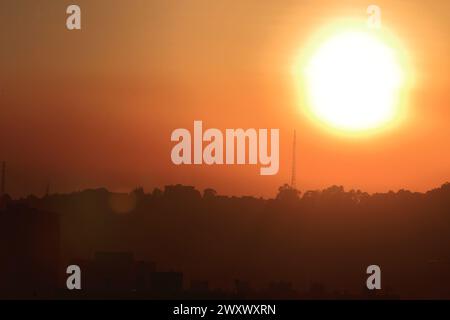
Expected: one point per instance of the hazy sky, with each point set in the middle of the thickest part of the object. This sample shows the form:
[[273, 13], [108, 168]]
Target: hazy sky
[[96, 107]]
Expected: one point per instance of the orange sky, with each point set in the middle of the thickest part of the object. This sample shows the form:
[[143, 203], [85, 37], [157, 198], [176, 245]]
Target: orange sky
[[96, 107]]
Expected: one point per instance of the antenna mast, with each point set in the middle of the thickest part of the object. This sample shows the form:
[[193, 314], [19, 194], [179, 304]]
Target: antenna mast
[[294, 171], [2, 191]]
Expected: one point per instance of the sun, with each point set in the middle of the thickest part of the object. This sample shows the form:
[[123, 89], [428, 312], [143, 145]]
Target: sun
[[353, 82]]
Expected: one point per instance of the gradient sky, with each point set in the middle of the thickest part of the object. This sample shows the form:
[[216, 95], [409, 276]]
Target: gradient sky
[[96, 107]]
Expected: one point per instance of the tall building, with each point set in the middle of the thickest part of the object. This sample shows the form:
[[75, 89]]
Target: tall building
[[29, 253]]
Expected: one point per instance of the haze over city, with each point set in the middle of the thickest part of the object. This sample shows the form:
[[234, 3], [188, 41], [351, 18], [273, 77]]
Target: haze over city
[[96, 107]]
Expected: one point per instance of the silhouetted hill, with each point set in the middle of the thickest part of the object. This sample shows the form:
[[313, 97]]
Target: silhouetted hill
[[316, 239]]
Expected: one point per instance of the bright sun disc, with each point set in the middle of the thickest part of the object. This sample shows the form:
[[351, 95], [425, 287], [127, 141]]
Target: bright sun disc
[[353, 82]]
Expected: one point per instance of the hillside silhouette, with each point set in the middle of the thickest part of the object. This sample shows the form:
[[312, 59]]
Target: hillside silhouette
[[180, 242]]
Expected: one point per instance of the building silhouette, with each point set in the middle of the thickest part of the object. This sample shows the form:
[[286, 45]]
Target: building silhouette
[[117, 274], [29, 253]]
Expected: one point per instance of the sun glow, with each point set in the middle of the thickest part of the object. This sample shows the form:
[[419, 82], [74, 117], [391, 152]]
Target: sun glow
[[353, 81]]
